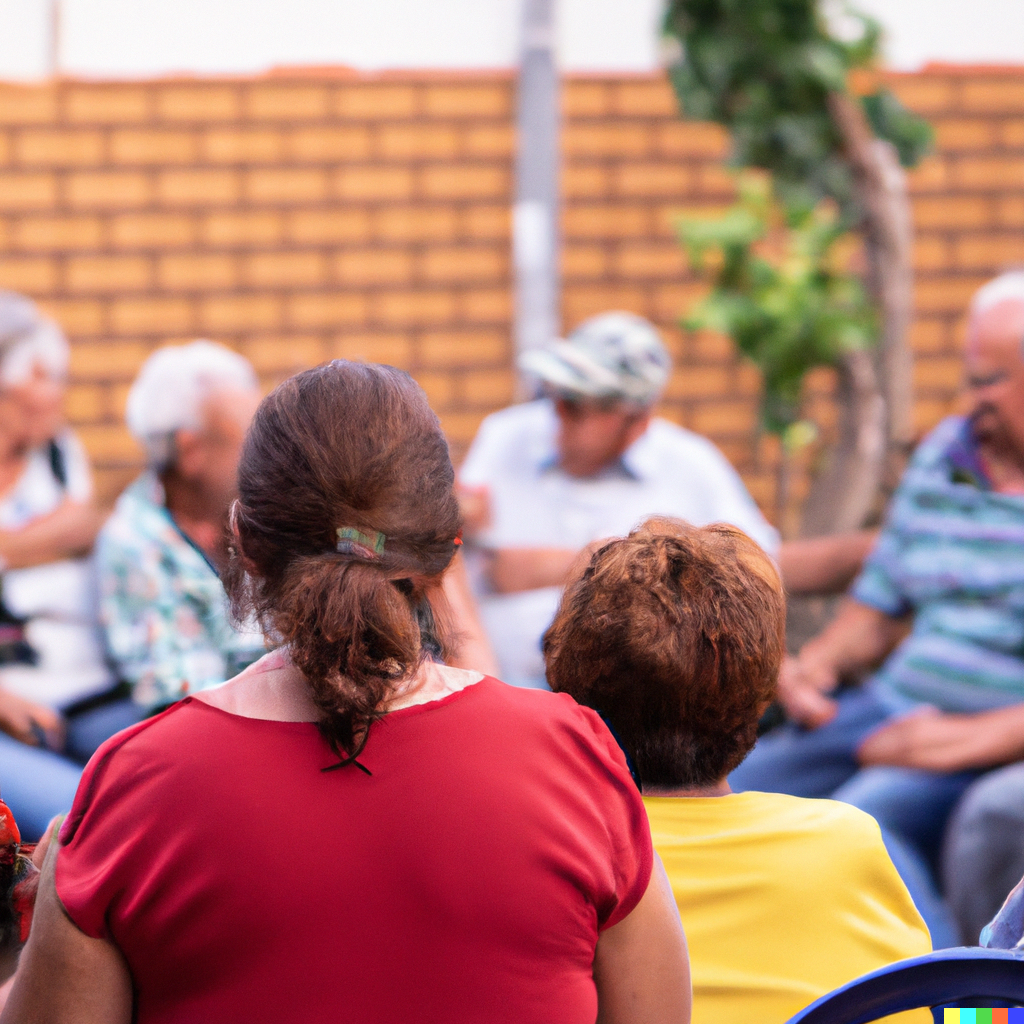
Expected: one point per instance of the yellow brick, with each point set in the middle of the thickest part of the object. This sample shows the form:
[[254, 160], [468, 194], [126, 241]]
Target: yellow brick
[[990, 172], [78, 317], [5, 149], [27, 104], [85, 403], [326, 309], [608, 140], [963, 134], [654, 180], [197, 188], [716, 181], [671, 301], [489, 388], [107, 360], [923, 93], [416, 141], [439, 387], [471, 100], [197, 272], [654, 98], [1010, 211], [19, 191], [331, 225], [372, 266], [108, 274], [233, 313], [47, 148], [928, 414], [31, 274], [256, 228], [109, 443], [322, 145], [151, 316], [667, 261], [460, 427], [286, 102], [152, 147], [485, 306], [943, 295], [152, 231], [931, 175], [463, 265], [487, 222], [724, 418], [375, 101], [605, 221], [280, 185], [930, 253], [101, 104], [240, 146], [582, 301], [284, 355], [414, 308], [582, 98], [415, 223], [465, 182], [197, 103], [108, 190], [1012, 134], [368, 183], [463, 348], [952, 212], [584, 261], [390, 349], [585, 181], [489, 140], [701, 382], [928, 336], [995, 95], [942, 374], [57, 233], [284, 269], [711, 346], [989, 252]]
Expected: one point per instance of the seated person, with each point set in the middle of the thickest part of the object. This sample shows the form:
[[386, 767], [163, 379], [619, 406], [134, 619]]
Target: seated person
[[51, 652], [940, 605], [162, 604], [545, 479], [675, 635]]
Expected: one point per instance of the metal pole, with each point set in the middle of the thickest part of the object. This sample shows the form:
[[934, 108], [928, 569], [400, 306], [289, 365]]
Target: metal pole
[[535, 233]]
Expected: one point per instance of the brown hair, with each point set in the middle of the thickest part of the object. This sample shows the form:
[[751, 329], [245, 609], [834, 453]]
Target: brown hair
[[356, 448], [675, 634]]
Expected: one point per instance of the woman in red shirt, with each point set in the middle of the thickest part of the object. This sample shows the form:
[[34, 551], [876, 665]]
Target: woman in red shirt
[[350, 830]]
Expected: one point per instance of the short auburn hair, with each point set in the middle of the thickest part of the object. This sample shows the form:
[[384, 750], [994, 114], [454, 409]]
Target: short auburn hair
[[675, 634]]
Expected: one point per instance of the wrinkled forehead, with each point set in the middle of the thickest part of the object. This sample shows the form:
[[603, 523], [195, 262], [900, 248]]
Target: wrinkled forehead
[[229, 409], [996, 333]]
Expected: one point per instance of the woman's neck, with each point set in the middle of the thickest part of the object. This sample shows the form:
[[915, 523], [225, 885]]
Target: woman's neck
[[719, 788]]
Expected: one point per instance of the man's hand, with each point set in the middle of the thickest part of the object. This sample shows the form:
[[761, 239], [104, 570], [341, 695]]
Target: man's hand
[[30, 723], [804, 683], [475, 505], [927, 738]]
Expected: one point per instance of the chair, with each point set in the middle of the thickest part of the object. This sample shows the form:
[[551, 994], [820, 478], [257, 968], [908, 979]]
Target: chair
[[962, 976]]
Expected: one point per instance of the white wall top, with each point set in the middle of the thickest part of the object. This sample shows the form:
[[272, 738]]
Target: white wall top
[[132, 38]]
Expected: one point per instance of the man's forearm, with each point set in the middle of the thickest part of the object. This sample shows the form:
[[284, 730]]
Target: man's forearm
[[66, 532], [512, 570], [858, 638], [824, 565]]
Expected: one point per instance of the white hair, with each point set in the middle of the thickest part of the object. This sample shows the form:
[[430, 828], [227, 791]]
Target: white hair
[[29, 341], [1006, 286], [172, 388]]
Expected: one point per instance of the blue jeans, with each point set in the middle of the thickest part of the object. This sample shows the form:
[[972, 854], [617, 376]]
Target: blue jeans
[[910, 805], [87, 731], [36, 784]]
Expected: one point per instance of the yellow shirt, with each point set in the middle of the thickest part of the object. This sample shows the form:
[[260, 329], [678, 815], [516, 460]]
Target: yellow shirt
[[782, 900]]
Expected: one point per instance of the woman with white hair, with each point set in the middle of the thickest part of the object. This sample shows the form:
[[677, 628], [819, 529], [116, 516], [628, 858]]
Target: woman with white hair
[[50, 651]]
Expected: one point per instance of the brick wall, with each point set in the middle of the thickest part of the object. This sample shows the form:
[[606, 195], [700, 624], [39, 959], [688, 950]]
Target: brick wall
[[304, 217]]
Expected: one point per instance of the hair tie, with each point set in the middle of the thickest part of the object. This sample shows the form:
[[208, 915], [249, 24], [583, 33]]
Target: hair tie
[[366, 545]]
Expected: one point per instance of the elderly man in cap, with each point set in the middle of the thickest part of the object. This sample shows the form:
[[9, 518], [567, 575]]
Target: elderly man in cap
[[937, 615], [545, 479]]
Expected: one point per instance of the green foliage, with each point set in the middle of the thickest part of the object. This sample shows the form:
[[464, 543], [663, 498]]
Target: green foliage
[[787, 313], [764, 69]]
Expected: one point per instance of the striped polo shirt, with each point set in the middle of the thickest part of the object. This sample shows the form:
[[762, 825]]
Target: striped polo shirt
[[952, 555]]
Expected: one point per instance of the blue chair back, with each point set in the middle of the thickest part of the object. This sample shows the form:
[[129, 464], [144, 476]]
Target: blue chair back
[[962, 976]]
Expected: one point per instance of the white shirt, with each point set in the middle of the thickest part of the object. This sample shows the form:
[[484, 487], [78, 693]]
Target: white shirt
[[59, 598], [668, 471]]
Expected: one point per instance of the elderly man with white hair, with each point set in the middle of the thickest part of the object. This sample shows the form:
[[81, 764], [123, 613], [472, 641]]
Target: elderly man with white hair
[[163, 609], [939, 606]]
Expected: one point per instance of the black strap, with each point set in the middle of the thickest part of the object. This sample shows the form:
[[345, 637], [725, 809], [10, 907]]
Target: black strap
[[58, 463]]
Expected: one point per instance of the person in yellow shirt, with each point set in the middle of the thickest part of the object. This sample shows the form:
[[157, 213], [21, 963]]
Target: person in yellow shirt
[[674, 635]]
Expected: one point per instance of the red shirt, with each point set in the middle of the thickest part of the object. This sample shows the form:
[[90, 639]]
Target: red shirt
[[465, 880]]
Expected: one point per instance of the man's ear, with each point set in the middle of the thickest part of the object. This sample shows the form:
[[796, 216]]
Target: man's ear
[[188, 453]]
